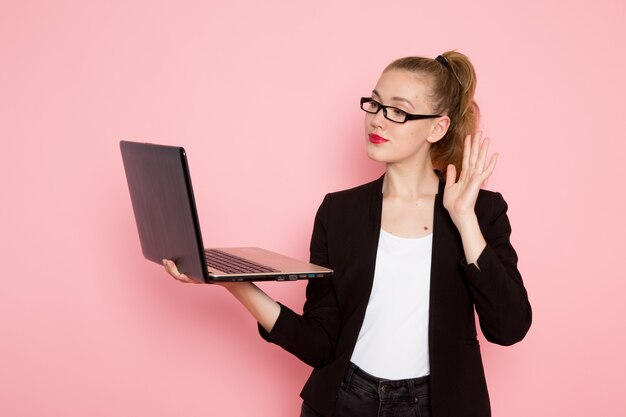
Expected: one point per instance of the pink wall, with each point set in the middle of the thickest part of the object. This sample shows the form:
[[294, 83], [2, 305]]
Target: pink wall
[[264, 95]]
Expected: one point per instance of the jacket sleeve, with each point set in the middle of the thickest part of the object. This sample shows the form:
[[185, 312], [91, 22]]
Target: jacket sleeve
[[311, 336], [496, 285]]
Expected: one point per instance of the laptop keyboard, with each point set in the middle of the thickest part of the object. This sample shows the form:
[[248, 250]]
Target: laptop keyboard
[[232, 264]]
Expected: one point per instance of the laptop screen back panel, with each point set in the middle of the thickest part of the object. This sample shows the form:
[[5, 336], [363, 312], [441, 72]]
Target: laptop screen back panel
[[164, 206]]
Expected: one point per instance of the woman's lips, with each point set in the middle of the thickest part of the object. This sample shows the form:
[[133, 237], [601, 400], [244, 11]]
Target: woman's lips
[[377, 140]]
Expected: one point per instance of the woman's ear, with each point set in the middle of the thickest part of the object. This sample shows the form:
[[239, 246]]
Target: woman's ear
[[439, 129]]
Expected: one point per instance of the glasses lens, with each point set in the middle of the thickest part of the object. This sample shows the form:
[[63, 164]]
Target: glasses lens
[[396, 115], [369, 105]]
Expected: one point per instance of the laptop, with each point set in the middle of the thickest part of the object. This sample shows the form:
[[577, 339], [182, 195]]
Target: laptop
[[165, 212]]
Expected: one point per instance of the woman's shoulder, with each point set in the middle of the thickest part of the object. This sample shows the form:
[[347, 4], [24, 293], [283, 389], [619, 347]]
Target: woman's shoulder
[[351, 202], [490, 203], [369, 189]]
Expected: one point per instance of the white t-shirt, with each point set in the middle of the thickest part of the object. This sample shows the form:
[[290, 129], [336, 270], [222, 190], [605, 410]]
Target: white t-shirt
[[393, 341]]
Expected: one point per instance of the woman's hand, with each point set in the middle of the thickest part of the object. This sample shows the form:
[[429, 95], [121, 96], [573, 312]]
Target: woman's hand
[[263, 308], [460, 196], [172, 269]]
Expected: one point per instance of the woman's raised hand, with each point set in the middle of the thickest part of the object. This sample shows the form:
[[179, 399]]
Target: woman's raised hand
[[460, 195]]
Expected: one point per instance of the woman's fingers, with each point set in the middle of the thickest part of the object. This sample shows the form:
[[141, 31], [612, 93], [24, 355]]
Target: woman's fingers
[[467, 147], [172, 269], [474, 168], [475, 158], [450, 175], [492, 164], [475, 150], [482, 156]]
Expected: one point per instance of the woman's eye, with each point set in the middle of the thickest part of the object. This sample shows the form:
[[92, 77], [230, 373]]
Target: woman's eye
[[398, 112], [373, 105]]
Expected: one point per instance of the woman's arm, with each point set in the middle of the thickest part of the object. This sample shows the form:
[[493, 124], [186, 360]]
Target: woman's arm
[[497, 289], [490, 267], [311, 336], [264, 309]]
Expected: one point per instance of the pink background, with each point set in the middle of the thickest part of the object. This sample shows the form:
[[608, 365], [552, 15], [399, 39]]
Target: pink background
[[264, 96]]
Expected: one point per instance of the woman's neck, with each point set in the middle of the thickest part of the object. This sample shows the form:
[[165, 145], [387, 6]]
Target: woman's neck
[[410, 182]]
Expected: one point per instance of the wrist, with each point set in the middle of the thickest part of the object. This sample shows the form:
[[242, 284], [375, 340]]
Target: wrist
[[237, 288], [466, 222], [472, 238]]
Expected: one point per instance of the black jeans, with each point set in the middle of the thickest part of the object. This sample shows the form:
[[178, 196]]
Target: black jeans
[[364, 395]]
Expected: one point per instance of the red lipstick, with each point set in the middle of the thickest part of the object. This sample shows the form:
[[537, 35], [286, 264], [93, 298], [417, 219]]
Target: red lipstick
[[377, 140]]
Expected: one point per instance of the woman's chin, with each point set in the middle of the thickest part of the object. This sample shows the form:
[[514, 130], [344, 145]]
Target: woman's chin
[[374, 153], [374, 157]]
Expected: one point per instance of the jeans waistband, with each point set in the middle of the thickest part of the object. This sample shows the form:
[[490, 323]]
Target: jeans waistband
[[355, 370]]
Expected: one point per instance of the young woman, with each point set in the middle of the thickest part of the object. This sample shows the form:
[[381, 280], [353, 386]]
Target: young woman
[[414, 253]]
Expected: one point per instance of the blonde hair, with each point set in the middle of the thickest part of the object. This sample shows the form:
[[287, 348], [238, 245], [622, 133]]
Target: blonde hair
[[453, 85]]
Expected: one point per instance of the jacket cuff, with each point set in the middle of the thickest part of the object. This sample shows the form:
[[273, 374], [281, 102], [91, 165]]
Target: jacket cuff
[[482, 264], [279, 333]]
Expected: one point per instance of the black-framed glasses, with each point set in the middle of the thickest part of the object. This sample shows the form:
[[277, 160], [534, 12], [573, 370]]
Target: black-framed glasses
[[369, 105]]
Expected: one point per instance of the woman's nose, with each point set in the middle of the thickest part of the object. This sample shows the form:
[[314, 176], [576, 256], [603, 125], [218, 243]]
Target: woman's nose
[[377, 119]]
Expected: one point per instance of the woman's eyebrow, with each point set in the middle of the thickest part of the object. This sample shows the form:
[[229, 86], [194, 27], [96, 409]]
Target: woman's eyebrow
[[402, 99]]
